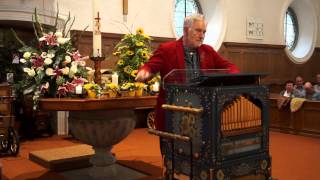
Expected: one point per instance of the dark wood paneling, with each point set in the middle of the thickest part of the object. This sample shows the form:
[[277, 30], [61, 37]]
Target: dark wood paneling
[[83, 42], [305, 121], [271, 59]]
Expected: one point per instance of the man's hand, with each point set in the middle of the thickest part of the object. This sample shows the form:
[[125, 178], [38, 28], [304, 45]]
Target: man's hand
[[143, 75]]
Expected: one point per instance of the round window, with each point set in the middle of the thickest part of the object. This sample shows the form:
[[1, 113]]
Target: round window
[[184, 8], [300, 30]]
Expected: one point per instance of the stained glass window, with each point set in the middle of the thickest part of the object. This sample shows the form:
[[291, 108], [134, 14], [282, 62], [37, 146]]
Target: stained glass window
[[184, 8], [291, 29]]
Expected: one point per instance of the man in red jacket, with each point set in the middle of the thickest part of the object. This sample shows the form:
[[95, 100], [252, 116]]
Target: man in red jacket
[[186, 53]]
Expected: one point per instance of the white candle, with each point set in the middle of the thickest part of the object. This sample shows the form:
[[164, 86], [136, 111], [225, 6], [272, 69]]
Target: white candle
[[96, 28], [155, 87], [78, 89], [114, 78]]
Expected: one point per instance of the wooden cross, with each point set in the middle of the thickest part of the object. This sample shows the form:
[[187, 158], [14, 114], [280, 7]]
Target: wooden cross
[[98, 18]]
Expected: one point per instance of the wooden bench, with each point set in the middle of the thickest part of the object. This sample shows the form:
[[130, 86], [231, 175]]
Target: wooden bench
[[306, 121]]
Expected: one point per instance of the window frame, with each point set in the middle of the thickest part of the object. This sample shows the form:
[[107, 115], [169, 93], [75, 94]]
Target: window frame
[[196, 2], [294, 18]]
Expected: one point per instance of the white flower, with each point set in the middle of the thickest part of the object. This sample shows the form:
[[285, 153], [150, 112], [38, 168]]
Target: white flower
[[71, 75], [44, 54], [29, 71], [42, 38], [74, 63], [67, 59], [58, 34], [65, 71], [27, 55], [26, 70], [49, 72], [51, 55], [74, 69], [23, 60], [61, 40], [47, 61]]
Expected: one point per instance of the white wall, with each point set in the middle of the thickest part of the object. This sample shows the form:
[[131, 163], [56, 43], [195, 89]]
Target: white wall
[[156, 16], [269, 12]]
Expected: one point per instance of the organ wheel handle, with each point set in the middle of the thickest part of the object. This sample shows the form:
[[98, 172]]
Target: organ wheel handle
[[182, 108]]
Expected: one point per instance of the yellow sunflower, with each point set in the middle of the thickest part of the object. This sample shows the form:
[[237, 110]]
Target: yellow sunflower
[[134, 73], [116, 53], [127, 69], [129, 53], [140, 31], [120, 62], [139, 43], [144, 54]]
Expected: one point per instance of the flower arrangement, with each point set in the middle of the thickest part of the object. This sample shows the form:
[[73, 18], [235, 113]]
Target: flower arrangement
[[52, 67], [93, 90], [140, 85], [128, 86], [133, 51], [112, 87]]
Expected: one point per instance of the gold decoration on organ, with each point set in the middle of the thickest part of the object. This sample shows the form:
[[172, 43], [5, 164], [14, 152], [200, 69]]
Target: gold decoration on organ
[[241, 114]]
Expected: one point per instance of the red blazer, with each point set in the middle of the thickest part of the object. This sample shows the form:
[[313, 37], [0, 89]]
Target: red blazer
[[170, 56]]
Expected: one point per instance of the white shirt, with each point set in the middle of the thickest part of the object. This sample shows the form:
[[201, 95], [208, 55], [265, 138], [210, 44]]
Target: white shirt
[[287, 94]]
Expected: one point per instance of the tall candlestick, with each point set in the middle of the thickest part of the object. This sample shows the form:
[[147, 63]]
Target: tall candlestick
[[97, 51]]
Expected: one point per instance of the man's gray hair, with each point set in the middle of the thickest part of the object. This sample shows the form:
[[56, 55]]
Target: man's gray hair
[[188, 21]]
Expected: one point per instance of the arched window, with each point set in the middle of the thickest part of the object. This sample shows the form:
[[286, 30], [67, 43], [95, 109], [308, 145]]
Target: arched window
[[291, 30], [184, 8]]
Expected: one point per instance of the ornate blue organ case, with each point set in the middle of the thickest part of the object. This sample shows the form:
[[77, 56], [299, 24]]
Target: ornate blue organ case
[[219, 126]]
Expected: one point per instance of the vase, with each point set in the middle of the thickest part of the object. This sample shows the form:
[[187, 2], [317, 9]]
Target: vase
[[139, 92], [124, 93], [132, 93], [112, 94], [91, 94]]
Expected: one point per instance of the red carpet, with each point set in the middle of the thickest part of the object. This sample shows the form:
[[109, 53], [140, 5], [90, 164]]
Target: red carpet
[[293, 157]]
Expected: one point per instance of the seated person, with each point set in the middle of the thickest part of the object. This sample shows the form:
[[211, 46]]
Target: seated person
[[288, 91], [299, 88], [310, 93], [316, 87]]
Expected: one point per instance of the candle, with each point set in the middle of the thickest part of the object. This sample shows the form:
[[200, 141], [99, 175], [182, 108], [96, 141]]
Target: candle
[[78, 89], [96, 29], [155, 87], [114, 78]]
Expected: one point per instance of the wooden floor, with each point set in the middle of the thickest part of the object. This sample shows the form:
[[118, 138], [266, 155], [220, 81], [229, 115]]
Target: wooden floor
[[293, 157]]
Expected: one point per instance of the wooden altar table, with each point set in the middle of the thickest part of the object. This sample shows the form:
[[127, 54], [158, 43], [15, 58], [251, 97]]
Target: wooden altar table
[[81, 104]]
